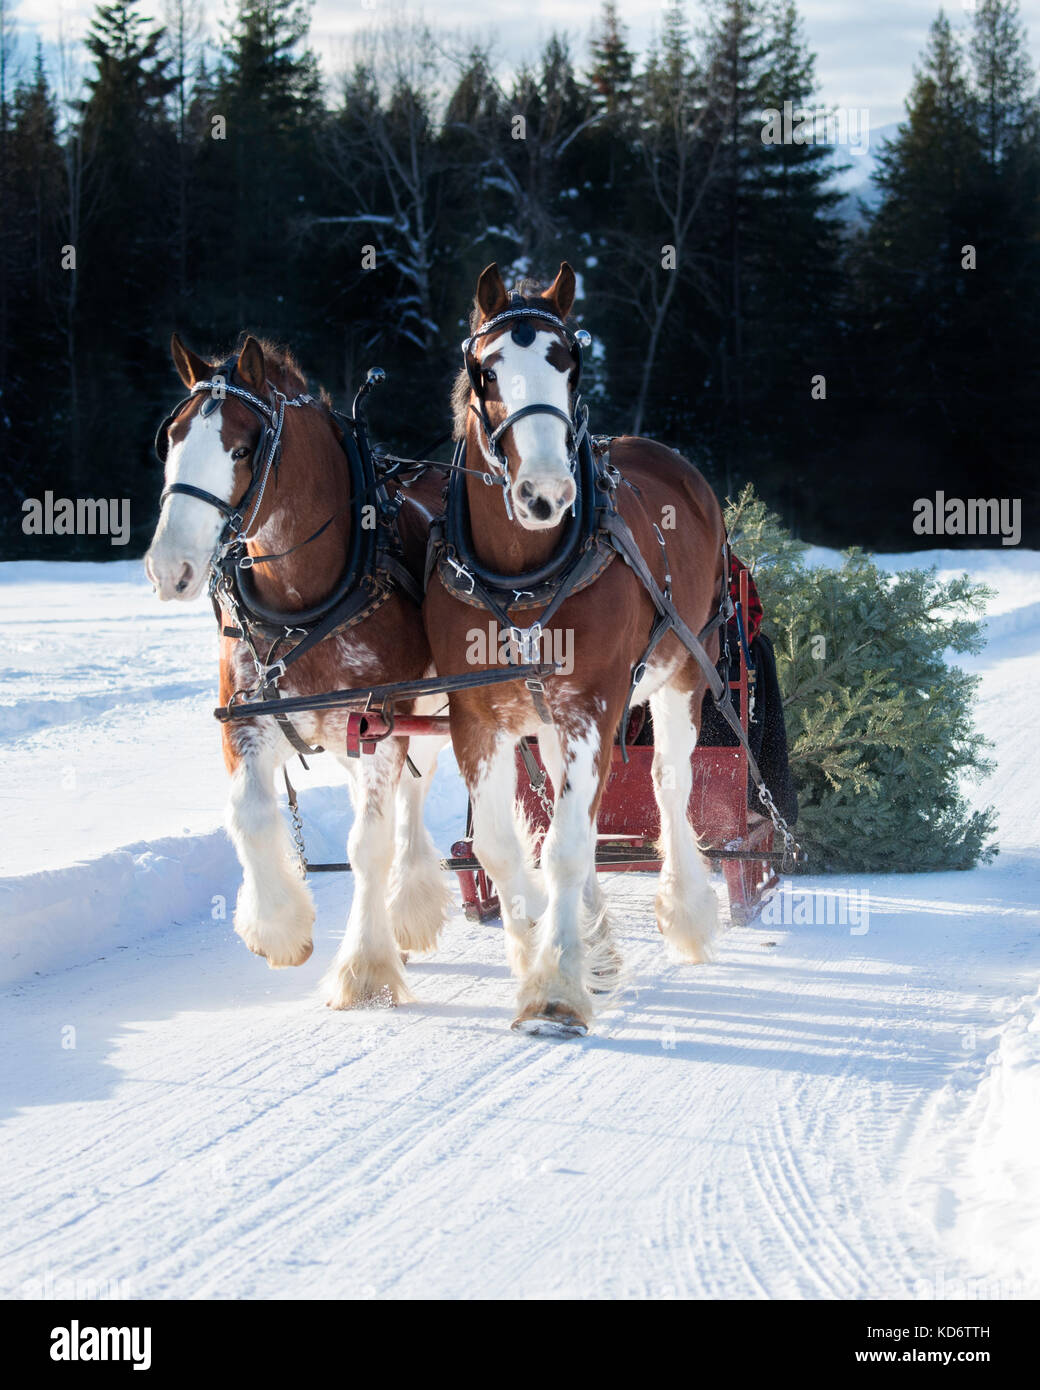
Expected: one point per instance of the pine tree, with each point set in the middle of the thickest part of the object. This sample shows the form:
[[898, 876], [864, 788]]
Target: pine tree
[[543, 164], [652, 243], [880, 727], [477, 211], [613, 63], [32, 403], [262, 177], [735, 91], [117, 155], [7, 250], [671, 67], [128, 140], [183, 41], [36, 171], [948, 279], [1003, 79], [792, 277], [126, 105], [1003, 316], [927, 172]]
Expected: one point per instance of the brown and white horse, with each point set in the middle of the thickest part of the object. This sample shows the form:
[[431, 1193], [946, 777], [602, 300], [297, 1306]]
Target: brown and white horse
[[400, 896], [556, 938]]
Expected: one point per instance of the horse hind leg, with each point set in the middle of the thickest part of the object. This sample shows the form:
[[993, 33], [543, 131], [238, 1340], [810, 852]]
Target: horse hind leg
[[605, 960], [421, 899], [687, 911], [274, 914], [367, 966]]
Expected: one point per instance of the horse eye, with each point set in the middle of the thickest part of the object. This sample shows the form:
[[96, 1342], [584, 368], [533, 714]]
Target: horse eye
[[241, 453], [489, 375]]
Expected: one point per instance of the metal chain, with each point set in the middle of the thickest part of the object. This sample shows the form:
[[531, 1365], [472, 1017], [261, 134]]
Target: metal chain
[[792, 849], [548, 806], [297, 834]]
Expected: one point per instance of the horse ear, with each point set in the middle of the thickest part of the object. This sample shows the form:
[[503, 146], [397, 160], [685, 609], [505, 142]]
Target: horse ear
[[190, 367], [251, 367], [491, 292], [560, 293]]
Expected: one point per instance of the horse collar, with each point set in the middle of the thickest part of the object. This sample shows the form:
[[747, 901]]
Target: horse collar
[[579, 559]]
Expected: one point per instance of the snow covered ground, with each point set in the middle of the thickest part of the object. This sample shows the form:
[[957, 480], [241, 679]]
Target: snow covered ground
[[827, 1112]]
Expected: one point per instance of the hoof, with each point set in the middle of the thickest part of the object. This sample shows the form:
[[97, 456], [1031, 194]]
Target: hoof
[[379, 999], [360, 983], [299, 956], [283, 935], [551, 1021]]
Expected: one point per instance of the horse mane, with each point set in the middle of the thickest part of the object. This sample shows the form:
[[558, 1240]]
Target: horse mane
[[283, 370], [528, 289]]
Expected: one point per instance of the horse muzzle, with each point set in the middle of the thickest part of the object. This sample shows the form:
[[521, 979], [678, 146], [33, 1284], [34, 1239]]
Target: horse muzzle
[[540, 502], [174, 577]]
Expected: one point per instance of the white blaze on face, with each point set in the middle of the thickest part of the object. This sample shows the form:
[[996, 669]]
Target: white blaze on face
[[542, 487], [186, 537]]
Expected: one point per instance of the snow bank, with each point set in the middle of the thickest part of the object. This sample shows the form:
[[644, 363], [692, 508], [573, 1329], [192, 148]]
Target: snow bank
[[56, 918], [62, 917], [999, 1188]]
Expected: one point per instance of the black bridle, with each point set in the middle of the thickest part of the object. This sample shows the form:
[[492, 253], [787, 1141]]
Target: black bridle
[[519, 313], [239, 516], [373, 570]]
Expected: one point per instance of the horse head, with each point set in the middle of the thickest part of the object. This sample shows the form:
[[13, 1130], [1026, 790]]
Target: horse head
[[522, 369], [208, 447]]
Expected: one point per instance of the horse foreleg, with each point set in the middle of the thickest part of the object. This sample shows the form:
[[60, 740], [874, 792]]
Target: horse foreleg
[[420, 894], [605, 956], [274, 915], [367, 966], [687, 911], [555, 991], [504, 850]]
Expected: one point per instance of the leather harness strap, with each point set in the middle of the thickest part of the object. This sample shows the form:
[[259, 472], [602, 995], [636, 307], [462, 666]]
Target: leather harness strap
[[609, 536], [374, 567]]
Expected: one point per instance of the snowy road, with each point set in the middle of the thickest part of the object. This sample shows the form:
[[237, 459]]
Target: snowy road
[[824, 1113]]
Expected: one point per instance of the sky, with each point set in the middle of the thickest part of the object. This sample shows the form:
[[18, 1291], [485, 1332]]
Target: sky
[[866, 49]]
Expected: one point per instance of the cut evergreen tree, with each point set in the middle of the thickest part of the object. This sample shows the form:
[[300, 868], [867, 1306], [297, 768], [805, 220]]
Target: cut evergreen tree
[[880, 725]]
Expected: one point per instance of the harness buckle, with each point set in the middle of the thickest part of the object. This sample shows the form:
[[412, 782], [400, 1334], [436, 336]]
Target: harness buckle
[[527, 642], [461, 570], [389, 507], [272, 673]]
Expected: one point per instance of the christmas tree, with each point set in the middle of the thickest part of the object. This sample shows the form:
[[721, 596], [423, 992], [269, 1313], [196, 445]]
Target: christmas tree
[[880, 726]]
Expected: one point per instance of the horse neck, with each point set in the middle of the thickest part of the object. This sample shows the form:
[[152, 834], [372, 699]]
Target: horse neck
[[312, 485], [501, 545]]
